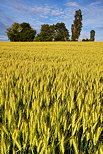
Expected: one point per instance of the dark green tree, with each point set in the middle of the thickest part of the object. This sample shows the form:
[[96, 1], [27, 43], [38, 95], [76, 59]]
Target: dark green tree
[[77, 26], [60, 32], [85, 39], [13, 32], [56, 32], [39, 37], [46, 33], [27, 33], [92, 35], [20, 32]]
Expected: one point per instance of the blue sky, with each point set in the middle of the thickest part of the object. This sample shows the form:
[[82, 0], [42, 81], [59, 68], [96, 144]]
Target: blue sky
[[38, 12]]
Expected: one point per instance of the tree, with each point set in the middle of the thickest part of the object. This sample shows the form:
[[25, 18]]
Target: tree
[[85, 39], [56, 32], [60, 32], [38, 38], [77, 26], [20, 32], [27, 33], [13, 32], [92, 35], [46, 33]]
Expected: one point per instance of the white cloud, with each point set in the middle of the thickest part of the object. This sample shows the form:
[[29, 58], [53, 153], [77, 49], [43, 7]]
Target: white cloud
[[39, 22], [3, 37], [39, 11], [73, 4], [99, 27], [95, 3], [56, 12], [45, 10]]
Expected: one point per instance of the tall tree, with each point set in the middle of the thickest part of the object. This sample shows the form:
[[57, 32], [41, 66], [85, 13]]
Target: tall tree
[[20, 32], [92, 35], [77, 26]]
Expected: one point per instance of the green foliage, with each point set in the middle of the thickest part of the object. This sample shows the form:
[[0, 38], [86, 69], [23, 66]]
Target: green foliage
[[60, 32], [13, 32], [92, 35], [20, 32], [56, 32], [46, 33], [38, 38], [85, 40], [27, 33], [77, 26]]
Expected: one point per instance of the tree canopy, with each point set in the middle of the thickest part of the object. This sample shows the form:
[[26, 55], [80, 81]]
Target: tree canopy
[[46, 33], [21, 32], [57, 32], [60, 32]]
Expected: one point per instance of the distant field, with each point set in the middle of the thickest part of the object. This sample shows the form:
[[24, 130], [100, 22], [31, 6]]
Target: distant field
[[51, 97]]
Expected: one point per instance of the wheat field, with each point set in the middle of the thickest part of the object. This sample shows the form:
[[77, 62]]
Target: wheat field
[[51, 97]]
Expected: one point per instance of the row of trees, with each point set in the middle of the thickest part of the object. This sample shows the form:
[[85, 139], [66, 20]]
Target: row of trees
[[92, 36], [55, 32]]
